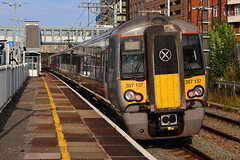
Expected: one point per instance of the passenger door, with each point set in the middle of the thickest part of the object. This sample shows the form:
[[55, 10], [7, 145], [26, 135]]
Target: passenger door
[[165, 68]]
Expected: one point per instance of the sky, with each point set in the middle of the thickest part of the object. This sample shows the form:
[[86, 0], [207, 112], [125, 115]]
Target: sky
[[60, 13]]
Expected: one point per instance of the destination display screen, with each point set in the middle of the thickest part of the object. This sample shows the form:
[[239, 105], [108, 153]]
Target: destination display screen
[[132, 45]]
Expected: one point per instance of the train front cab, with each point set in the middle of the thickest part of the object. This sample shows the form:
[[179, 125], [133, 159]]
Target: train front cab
[[176, 107]]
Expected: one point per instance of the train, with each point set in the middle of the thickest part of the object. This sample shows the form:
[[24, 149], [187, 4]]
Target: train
[[150, 71]]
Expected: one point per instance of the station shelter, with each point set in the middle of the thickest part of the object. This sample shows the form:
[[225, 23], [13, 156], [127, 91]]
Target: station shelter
[[33, 59]]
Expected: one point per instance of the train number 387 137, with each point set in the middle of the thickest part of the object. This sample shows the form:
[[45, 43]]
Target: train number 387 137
[[190, 81]]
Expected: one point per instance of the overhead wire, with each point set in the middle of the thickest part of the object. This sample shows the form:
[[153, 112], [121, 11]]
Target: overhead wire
[[80, 16], [78, 20]]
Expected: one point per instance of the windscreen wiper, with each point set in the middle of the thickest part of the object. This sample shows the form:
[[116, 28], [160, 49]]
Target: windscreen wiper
[[189, 68], [136, 70]]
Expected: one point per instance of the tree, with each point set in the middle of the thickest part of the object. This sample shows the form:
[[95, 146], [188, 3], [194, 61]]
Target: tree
[[222, 57]]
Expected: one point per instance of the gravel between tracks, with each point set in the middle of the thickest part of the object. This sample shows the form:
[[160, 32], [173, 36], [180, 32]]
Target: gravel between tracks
[[211, 145], [205, 142], [217, 147]]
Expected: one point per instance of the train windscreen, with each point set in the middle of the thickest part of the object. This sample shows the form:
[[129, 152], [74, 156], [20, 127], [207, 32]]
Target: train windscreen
[[132, 58], [192, 53]]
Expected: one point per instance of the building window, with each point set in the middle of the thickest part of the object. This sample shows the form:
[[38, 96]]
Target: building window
[[48, 32], [178, 12], [64, 32], [42, 32], [229, 10], [73, 33], [9, 32], [237, 10], [178, 2], [162, 5], [225, 10], [56, 32], [215, 13], [2, 33]]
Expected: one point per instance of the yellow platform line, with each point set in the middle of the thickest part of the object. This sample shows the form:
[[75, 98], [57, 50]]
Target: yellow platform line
[[61, 141]]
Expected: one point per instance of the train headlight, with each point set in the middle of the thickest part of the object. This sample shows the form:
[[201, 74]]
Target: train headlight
[[198, 91], [131, 95]]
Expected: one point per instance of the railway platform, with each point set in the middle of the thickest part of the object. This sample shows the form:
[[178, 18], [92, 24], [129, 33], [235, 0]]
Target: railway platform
[[47, 120]]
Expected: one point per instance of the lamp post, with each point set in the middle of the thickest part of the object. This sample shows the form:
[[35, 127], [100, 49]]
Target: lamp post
[[168, 8], [14, 32]]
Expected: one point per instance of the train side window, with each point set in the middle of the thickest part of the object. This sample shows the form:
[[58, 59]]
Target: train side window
[[192, 52]]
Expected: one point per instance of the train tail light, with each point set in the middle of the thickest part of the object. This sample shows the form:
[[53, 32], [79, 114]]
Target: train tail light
[[190, 94], [139, 97]]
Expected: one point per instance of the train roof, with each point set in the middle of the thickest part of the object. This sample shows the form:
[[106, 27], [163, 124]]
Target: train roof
[[138, 25]]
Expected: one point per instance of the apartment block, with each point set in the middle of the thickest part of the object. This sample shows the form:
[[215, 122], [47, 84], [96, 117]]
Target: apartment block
[[233, 15], [199, 12]]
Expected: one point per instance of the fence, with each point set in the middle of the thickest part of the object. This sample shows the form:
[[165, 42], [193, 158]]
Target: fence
[[11, 78], [227, 83]]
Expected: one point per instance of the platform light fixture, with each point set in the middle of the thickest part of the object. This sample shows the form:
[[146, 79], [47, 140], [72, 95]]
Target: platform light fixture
[[14, 32]]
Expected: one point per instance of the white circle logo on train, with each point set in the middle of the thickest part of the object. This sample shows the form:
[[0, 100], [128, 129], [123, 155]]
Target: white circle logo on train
[[165, 54]]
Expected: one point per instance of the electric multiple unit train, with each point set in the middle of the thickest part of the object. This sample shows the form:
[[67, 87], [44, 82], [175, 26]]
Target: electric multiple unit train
[[151, 72]]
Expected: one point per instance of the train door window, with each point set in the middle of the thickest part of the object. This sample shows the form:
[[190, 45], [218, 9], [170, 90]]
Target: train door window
[[165, 54], [81, 65], [88, 65], [85, 65], [98, 65], [29, 63], [102, 66], [132, 58], [192, 53], [93, 65], [35, 63]]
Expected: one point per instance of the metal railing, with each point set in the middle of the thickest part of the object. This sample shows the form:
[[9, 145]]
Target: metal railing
[[227, 83], [11, 78]]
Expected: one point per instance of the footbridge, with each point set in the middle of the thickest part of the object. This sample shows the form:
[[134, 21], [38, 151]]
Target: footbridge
[[47, 39]]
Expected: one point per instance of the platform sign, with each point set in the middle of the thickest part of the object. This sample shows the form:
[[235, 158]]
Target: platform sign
[[11, 43]]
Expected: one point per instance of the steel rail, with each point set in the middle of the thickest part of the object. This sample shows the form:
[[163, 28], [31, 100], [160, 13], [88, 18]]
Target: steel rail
[[225, 135], [195, 152], [223, 118]]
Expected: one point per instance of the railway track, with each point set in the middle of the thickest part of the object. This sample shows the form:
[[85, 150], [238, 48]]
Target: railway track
[[172, 149], [218, 132], [223, 118], [195, 153]]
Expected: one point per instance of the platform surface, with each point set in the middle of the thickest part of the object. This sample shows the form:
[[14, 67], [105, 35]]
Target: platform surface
[[47, 120]]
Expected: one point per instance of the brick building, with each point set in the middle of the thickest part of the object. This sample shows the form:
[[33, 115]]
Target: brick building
[[233, 15], [135, 8], [106, 16], [199, 12], [178, 8]]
